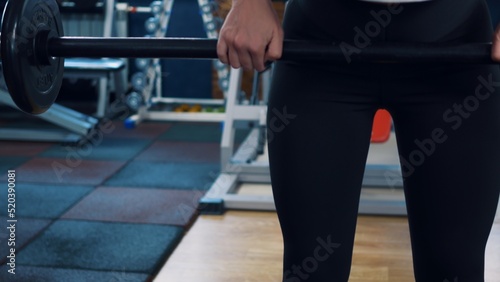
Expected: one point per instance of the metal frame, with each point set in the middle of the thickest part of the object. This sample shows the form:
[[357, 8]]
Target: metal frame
[[102, 70], [109, 73], [380, 195], [75, 126], [164, 113]]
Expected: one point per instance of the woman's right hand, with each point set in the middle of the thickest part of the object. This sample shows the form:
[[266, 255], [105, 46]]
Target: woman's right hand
[[251, 35]]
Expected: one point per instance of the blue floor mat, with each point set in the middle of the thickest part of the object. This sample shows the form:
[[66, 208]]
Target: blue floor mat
[[200, 132], [107, 149], [25, 230], [102, 246], [138, 205], [48, 274], [181, 152], [165, 175], [193, 132], [107, 211], [44, 201], [7, 163]]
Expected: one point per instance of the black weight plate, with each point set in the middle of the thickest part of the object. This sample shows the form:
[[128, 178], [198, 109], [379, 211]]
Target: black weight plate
[[33, 82]]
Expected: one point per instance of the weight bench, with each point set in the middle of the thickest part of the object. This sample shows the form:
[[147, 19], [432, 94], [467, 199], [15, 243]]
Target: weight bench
[[93, 18], [102, 69]]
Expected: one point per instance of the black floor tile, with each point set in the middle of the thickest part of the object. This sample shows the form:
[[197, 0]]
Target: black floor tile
[[102, 246], [11, 162], [44, 201], [138, 205], [22, 149], [24, 230], [182, 152], [70, 171], [48, 274], [165, 175], [105, 149]]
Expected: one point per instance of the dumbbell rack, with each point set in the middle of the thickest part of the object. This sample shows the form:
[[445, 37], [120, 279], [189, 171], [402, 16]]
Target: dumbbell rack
[[149, 79], [247, 166]]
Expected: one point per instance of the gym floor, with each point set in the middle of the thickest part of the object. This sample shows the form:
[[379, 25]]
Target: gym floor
[[117, 205], [123, 208]]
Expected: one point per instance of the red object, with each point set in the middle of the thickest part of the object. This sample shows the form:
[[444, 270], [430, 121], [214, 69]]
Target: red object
[[381, 127]]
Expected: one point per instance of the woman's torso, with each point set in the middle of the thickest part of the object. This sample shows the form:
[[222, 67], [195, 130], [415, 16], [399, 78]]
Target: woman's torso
[[400, 20]]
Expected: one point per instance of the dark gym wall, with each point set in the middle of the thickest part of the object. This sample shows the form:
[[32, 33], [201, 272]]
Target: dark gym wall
[[495, 11], [181, 78]]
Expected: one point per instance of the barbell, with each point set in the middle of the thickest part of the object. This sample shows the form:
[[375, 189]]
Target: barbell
[[33, 49]]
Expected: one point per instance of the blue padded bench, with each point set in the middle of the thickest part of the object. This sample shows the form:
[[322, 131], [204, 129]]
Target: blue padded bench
[[93, 18]]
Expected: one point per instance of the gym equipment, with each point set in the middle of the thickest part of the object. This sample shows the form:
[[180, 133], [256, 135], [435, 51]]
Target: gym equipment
[[158, 107], [33, 47], [142, 63], [81, 5], [382, 124], [138, 81], [134, 101], [152, 24], [72, 126], [155, 8]]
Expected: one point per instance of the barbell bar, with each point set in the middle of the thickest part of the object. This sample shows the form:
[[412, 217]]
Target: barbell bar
[[33, 49]]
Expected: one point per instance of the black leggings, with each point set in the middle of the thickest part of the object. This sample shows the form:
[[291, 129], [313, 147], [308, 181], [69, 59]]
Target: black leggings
[[447, 124]]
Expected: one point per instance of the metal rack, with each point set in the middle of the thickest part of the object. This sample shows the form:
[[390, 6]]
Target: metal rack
[[248, 164], [73, 126], [147, 96]]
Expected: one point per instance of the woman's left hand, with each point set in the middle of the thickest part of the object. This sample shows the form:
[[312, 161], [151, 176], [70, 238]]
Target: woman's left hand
[[495, 51]]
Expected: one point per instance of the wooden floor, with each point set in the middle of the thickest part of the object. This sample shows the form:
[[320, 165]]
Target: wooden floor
[[246, 246]]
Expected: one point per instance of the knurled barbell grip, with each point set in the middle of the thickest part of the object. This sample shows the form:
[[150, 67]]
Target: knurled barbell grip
[[133, 47]]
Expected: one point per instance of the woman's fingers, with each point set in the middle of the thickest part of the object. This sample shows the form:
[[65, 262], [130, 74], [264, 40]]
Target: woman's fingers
[[247, 35], [275, 47], [223, 51], [234, 59]]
